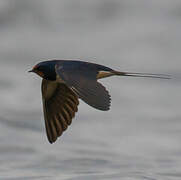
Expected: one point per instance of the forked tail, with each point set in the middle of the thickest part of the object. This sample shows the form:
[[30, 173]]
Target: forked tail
[[147, 75]]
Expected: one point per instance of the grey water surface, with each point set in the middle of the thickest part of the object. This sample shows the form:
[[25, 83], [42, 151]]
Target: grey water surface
[[140, 137]]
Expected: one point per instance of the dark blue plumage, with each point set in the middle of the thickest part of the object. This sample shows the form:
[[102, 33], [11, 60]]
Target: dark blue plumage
[[48, 67], [64, 81]]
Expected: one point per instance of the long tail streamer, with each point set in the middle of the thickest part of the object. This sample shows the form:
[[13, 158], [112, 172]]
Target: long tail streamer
[[147, 75]]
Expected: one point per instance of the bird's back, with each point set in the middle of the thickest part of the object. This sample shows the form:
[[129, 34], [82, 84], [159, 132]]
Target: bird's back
[[81, 65]]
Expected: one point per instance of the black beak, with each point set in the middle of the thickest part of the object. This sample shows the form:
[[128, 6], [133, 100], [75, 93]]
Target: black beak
[[30, 71]]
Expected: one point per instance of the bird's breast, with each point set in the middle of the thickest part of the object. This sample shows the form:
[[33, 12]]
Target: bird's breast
[[48, 88]]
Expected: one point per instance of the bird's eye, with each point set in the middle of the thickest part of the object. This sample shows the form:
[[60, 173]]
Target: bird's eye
[[39, 68]]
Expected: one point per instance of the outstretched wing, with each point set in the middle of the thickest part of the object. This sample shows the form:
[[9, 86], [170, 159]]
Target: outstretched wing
[[83, 81], [60, 104]]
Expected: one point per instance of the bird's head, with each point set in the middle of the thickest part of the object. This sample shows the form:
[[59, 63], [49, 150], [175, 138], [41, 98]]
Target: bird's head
[[46, 70]]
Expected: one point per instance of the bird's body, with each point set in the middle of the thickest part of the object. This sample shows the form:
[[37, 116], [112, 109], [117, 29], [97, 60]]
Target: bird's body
[[64, 82]]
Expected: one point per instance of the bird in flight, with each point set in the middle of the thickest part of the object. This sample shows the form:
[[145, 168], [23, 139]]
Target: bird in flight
[[65, 81]]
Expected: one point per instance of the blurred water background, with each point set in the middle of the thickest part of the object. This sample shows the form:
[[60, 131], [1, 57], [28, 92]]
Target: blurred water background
[[140, 137]]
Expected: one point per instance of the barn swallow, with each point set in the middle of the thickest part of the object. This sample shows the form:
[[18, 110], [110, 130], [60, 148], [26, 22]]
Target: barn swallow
[[65, 81]]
